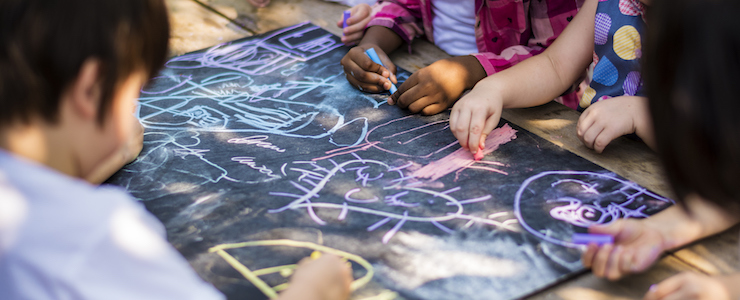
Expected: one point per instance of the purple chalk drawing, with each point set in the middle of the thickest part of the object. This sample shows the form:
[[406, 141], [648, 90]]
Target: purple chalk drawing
[[550, 205], [372, 187]]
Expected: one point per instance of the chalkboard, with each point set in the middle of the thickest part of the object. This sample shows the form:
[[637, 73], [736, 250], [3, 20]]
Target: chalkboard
[[258, 152]]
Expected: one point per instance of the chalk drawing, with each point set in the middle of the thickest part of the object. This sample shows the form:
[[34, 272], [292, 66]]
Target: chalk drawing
[[228, 102], [373, 187], [271, 292], [581, 199]]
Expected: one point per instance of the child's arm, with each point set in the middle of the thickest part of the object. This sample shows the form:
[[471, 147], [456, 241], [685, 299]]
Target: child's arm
[[691, 285], [638, 243], [327, 278], [599, 124], [532, 82], [360, 16]]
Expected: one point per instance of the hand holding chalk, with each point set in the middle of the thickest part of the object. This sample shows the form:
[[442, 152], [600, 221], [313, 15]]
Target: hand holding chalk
[[622, 247], [374, 57], [353, 23]]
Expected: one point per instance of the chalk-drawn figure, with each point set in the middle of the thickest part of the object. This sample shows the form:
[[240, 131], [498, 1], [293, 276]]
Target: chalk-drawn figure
[[253, 276], [553, 205], [160, 150], [373, 187], [230, 102]]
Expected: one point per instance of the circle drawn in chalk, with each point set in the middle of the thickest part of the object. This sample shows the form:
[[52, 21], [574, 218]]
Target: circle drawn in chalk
[[550, 205]]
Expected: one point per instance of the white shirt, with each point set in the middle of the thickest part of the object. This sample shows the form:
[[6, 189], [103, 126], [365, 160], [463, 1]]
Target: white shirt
[[62, 238], [454, 26]]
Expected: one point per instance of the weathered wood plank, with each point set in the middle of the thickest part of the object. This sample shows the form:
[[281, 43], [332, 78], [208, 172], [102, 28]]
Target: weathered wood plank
[[195, 27], [588, 286]]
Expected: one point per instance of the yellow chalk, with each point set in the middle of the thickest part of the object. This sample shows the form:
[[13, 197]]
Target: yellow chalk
[[286, 272], [315, 255]]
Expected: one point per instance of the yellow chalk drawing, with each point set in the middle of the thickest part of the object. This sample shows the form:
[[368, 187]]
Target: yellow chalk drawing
[[286, 270]]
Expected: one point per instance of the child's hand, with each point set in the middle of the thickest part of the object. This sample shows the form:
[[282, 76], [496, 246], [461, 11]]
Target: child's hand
[[637, 246], [360, 16], [326, 278], [366, 75], [474, 116], [608, 119], [690, 285], [435, 88]]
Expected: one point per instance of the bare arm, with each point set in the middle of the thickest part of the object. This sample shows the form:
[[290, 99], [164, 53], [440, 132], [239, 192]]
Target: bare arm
[[533, 82], [544, 77]]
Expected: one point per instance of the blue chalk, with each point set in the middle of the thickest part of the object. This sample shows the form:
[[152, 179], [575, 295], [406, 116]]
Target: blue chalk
[[586, 238], [374, 57]]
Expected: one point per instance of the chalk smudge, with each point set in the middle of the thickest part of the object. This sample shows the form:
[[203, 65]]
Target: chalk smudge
[[462, 158]]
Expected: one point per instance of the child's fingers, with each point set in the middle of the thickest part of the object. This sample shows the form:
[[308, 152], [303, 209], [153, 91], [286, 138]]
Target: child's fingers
[[665, 288], [460, 127], [433, 109], [477, 122], [422, 102], [403, 89], [625, 265], [363, 86], [591, 133], [603, 139], [612, 271], [584, 122], [409, 98], [588, 256], [352, 38], [491, 124], [600, 260]]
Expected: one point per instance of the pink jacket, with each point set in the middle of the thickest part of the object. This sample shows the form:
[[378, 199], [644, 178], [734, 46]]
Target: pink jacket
[[506, 31]]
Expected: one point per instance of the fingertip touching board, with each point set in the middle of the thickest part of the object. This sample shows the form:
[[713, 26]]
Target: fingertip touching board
[[258, 152]]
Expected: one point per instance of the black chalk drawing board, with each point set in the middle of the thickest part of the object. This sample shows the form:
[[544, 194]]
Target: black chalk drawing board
[[258, 152]]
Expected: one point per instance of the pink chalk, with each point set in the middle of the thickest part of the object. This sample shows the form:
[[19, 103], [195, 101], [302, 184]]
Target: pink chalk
[[479, 155], [461, 158]]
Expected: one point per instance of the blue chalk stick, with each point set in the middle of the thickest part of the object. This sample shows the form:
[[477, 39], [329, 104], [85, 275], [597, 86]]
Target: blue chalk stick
[[374, 57], [586, 238], [347, 14]]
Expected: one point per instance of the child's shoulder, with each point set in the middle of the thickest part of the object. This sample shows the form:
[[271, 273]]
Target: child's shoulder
[[54, 221], [61, 235]]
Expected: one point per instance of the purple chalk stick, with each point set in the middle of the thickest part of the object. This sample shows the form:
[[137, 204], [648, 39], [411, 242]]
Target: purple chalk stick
[[347, 14], [586, 238]]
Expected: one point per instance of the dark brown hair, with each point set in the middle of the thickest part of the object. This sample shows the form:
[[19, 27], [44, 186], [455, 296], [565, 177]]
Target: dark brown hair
[[43, 44], [692, 78]]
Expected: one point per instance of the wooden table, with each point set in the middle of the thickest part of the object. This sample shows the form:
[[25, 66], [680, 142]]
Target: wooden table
[[198, 24]]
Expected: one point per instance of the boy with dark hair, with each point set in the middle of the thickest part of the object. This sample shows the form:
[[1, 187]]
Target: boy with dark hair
[[71, 73]]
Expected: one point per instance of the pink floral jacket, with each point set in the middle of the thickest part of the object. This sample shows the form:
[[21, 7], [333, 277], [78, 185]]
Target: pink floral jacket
[[506, 31]]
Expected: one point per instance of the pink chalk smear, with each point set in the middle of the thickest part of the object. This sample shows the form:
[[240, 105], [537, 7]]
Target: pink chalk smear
[[462, 158], [479, 155]]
